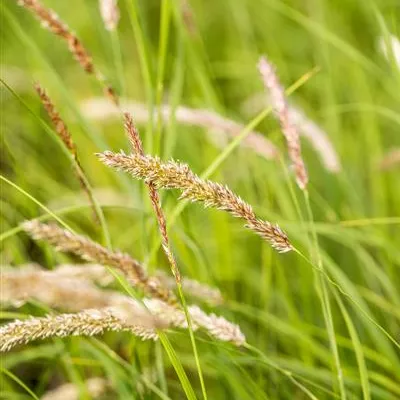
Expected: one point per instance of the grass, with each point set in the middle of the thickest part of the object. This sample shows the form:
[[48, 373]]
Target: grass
[[306, 338]]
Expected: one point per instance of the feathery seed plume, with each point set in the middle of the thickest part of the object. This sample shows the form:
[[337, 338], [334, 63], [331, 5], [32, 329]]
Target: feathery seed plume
[[99, 274], [173, 175], [213, 123], [194, 288], [19, 285], [317, 137], [66, 241], [52, 22], [216, 326], [110, 13], [85, 323], [278, 99]]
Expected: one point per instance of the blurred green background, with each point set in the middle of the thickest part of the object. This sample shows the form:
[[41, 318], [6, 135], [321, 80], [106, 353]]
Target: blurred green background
[[211, 63]]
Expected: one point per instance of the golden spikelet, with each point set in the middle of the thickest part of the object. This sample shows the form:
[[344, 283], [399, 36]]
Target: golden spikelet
[[278, 99], [66, 241], [52, 22], [173, 175], [85, 323]]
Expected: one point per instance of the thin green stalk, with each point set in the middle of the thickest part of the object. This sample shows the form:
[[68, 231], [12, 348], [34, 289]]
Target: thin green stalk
[[117, 55], [362, 367], [97, 209], [192, 339], [145, 66], [187, 387], [30, 197], [327, 311], [162, 51], [20, 383], [344, 293], [283, 371]]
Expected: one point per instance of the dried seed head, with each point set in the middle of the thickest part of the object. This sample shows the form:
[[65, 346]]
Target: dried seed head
[[59, 125], [172, 175], [277, 93], [66, 241], [216, 326], [193, 288], [85, 323], [318, 138], [51, 21]]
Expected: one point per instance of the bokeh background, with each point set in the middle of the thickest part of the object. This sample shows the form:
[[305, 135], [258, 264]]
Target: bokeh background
[[351, 92]]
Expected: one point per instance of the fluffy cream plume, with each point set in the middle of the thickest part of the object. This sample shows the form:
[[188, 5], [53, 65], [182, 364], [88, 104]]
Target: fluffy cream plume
[[19, 285], [100, 109], [74, 294], [216, 326], [172, 175], [52, 22], [193, 288], [85, 274], [318, 139], [89, 272], [390, 47], [391, 159], [278, 99], [96, 387], [90, 251], [85, 323], [110, 13]]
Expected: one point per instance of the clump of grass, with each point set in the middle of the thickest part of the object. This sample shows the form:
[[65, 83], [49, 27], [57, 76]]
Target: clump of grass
[[173, 175]]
